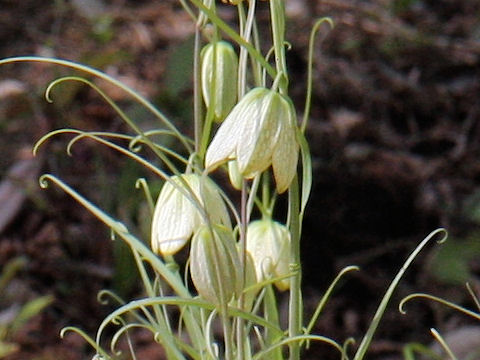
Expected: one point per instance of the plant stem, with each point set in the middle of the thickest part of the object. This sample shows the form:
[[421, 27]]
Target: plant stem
[[197, 100], [243, 259], [295, 304], [277, 14], [364, 345]]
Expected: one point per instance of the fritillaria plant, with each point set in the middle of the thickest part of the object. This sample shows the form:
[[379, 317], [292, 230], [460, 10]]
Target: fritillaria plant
[[246, 126]]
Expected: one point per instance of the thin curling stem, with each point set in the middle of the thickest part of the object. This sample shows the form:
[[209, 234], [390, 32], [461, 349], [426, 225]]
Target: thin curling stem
[[367, 339]]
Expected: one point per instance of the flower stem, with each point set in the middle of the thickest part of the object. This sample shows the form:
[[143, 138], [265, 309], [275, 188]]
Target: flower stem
[[295, 304], [243, 259], [197, 101]]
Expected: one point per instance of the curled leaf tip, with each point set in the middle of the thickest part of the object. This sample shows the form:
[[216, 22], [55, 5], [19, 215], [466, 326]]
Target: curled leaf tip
[[442, 232], [43, 180], [140, 183]]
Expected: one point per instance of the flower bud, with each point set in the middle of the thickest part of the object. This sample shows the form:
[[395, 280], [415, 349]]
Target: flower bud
[[268, 242], [177, 216], [234, 175], [260, 131], [215, 264], [219, 74]]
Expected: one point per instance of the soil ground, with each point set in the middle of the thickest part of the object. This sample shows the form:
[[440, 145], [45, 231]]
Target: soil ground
[[394, 133]]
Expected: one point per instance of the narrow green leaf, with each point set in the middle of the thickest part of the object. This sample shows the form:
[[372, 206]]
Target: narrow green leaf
[[29, 310]]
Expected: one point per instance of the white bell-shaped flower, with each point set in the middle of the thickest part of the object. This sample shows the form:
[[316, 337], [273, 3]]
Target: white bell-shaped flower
[[268, 242], [177, 216], [215, 264], [259, 131]]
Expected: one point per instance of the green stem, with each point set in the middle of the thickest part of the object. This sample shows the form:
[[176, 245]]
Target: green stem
[[236, 37], [246, 25], [89, 70], [308, 97], [295, 320], [364, 345], [295, 304], [246, 30], [243, 258], [197, 100], [277, 13]]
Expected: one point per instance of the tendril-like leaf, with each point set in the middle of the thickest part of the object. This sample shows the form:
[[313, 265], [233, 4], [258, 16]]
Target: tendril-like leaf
[[141, 183], [89, 70], [308, 95], [209, 339], [236, 37], [125, 327], [103, 295], [184, 188], [362, 349], [443, 343], [87, 338], [326, 296], [401, 306], [124, 117], [298, 339], [349, 342], [473, 295]]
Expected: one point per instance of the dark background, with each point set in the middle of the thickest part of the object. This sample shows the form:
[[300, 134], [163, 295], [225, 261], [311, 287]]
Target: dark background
[[394, 134]]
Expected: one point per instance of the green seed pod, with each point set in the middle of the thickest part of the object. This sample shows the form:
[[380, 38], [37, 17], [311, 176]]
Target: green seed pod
[[219, 77], [259, 131], [176, 216], [268, 242], [215, 264]]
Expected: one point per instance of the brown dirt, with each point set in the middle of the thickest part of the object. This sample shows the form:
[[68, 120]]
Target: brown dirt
[[394, 134]]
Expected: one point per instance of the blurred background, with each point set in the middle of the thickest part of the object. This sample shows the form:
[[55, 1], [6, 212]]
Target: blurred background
[[394, 134]]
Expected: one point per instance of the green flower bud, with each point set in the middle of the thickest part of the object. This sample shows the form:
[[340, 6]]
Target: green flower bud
[[234, 175], [219, 73], [176, 216], [215, 264], [268, 242], [260, 131]]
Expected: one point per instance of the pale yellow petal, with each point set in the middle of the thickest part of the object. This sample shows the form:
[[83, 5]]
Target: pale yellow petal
[[214, 204], [234, 175], [285, 155], [255, 148], [268, 243], [225, 81], [173, 221], [223, 144]]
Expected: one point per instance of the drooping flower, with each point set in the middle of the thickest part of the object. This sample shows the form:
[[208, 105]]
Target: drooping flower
[[215, 264], [259, 131], [219, 77], [268, 242], [176, 214]]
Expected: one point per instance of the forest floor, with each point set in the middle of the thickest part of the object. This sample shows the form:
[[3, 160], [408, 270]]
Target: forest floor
[[395, 140]]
